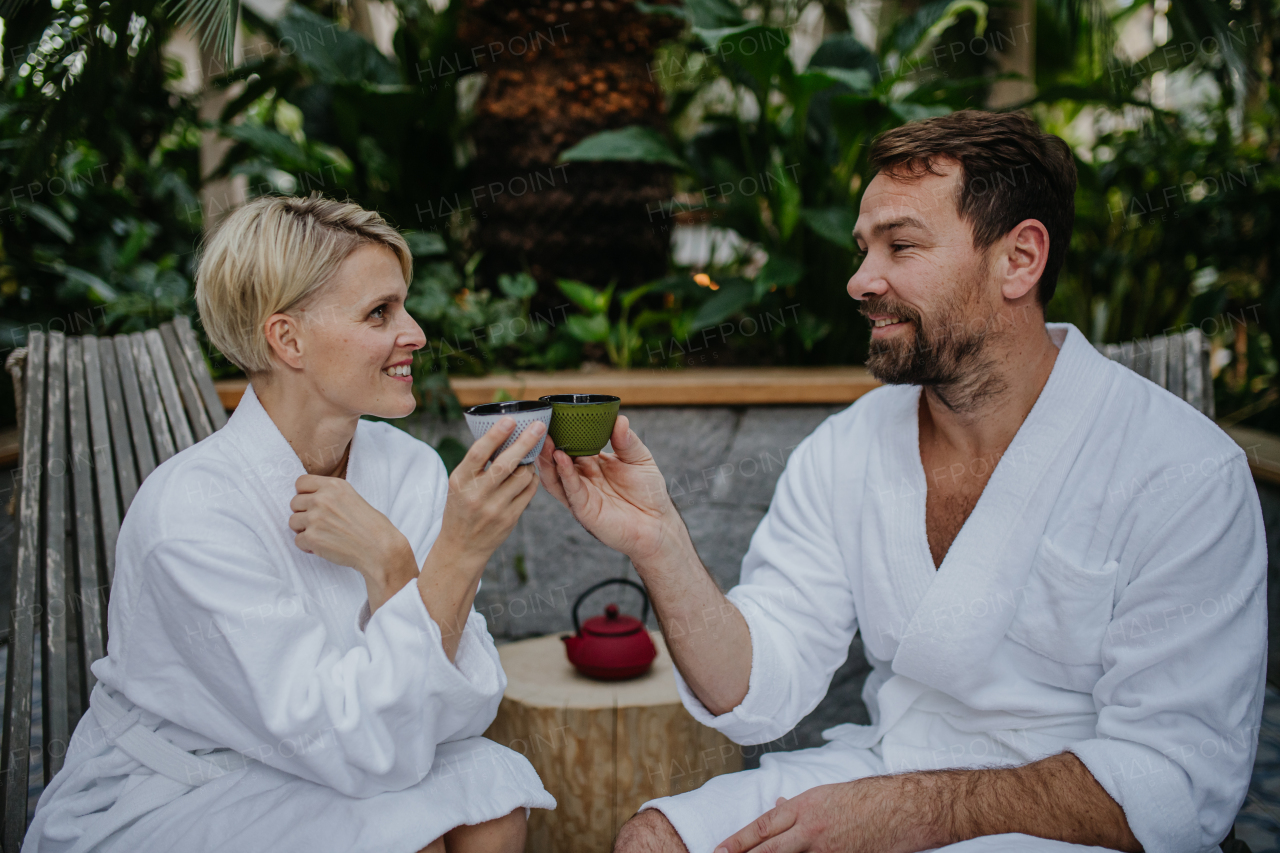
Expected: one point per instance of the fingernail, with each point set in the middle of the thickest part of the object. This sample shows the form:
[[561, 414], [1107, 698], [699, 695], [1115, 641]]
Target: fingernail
[[507, 421], [537, 427]]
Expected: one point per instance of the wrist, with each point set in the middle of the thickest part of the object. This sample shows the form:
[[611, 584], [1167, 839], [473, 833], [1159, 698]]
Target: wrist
[[391, 566], [674, 552]]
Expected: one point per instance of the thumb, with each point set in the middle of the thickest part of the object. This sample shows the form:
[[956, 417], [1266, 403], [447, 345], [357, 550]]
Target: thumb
[[627, 446]]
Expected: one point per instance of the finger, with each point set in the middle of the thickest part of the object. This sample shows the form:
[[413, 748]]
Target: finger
[[297, 522], [519, 449], [309, 483], [478, 456], [627, 446], [575, 490], [514, 486], [302, 501], [522, 499], [546, 464], [760, 830]]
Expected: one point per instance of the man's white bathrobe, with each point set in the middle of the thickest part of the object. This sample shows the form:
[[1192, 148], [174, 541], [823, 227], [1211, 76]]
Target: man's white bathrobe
[[1106, 596], [247, 702]]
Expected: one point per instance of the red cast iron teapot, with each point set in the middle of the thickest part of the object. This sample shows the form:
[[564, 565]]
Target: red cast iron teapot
[[613, 646]]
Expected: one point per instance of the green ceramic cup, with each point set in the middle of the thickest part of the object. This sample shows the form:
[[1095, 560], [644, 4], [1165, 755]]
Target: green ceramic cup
[[581, 423]]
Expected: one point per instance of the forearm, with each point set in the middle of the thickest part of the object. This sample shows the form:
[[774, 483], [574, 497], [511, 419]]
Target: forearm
[[448, 583], [706, 634], [397, 568], [1055, 798]]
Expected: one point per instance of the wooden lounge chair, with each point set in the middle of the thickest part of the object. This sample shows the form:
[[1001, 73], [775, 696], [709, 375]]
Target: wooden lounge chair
[[97, 416]]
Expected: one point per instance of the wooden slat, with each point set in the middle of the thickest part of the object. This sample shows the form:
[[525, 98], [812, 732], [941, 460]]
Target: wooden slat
[[1159, 361], [1193, 369], [1126, 354], [88, 589], [168, 386], [103, 464], [1176, 365], [57, 732], [200, 369], [152, 405], [725, 386], [1142, 358], [10, 447], [129, 468], [16, 758], [1262, 449], [191, 398], [143, 450]]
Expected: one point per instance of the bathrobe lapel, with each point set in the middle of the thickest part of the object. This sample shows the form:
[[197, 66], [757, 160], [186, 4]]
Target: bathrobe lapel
[[969, 606]]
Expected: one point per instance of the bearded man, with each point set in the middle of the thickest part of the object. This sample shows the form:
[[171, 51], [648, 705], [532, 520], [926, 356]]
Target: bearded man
[[1058, 568]]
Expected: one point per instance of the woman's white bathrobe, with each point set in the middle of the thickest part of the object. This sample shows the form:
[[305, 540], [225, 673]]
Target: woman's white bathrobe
[[1106, 596], [247, 702]]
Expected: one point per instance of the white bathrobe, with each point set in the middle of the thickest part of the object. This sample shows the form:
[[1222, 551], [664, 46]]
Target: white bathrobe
[[248, 702], [1106, 596]]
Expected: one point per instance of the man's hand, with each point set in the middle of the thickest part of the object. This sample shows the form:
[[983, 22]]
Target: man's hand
[[620, 498], [863, 816], [1055, 798]]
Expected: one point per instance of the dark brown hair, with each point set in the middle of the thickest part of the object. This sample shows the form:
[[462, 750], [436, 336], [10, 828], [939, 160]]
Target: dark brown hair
[[1011, 171]]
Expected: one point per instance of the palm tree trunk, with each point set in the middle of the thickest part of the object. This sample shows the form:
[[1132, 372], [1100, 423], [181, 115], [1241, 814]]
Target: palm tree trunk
[[1013, 32]]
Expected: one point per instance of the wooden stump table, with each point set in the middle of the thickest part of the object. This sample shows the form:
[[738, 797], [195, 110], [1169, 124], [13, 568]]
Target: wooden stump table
[[602, 748]]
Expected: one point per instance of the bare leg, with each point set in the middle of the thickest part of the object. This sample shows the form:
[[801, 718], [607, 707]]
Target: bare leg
[[436, 846], [649, 832], [500, 835]]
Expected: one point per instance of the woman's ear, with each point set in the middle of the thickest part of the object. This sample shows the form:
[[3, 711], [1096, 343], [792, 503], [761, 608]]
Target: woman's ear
[[282, 331]]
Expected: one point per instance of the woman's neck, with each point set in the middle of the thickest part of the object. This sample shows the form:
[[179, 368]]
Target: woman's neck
[[319, 436]]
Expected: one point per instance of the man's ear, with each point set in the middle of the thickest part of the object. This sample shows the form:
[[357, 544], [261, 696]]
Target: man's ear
[[1025, 253], [282, 332]]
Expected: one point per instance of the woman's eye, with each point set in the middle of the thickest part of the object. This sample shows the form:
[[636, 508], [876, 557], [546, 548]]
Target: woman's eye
[[378, 312]]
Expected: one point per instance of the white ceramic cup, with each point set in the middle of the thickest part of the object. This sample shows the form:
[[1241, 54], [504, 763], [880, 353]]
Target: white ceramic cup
[[480, 419]]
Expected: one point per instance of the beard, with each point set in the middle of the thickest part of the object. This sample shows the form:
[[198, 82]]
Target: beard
[[946, 349]]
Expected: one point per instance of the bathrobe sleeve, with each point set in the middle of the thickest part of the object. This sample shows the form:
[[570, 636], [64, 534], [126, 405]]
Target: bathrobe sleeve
[[1180, 700], [224, 647], [796, 598]]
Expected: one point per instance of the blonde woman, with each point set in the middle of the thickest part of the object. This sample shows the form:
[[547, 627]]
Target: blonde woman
[[294, 662]]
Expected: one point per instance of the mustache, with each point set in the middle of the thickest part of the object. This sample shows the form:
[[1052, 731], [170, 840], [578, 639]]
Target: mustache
[[884, 306]]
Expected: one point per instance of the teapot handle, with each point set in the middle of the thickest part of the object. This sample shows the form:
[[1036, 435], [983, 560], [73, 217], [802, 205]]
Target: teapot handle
[[644, 614]]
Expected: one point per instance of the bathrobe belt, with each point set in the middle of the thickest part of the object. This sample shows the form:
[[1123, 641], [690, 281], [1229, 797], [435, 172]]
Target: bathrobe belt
[[125, 729]]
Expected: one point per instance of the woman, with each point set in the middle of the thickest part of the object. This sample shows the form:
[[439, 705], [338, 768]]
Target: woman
[[294, 662]]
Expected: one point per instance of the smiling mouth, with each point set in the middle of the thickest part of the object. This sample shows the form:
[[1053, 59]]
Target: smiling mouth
[[400, 371], [888, 321]]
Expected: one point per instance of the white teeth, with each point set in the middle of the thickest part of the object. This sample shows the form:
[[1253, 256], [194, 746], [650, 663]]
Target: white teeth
[[401, 370], [886, 322]]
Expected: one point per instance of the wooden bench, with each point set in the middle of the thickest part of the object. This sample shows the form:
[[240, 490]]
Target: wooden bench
[[97, 415], [1179, 363]]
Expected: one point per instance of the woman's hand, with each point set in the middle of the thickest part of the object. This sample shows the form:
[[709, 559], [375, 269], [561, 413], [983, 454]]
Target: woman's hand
[[332, 521], [620, 498]]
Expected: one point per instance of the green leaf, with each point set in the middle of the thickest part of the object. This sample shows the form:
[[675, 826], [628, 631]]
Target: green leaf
[[423, 244], [589, 330], [843, 50], [714, 13], [857, 79], [585, 296], [834, 224], [629, 298], [335, 54], [518, 286], [47, 218], [787, 211], [778, 271], [758, 50], [909, 111], [636, 143], [96, 285], [732, 297]]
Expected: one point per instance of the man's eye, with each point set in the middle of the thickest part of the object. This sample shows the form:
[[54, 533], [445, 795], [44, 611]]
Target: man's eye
[[899, 246]]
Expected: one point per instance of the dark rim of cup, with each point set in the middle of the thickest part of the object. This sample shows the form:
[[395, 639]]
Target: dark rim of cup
[[581, 399], [509, 407]]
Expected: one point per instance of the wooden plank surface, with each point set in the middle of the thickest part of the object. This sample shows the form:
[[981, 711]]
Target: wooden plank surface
[[153, 406], [88, 587], [191, 399], [104, 466], [139, 430], [57, 731], [10, 446], [200, 369], [728, 386], [15, 760], [119, 416], [169, 394]]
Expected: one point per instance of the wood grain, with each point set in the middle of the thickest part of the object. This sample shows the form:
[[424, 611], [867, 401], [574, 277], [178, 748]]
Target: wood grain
[[601, 748]]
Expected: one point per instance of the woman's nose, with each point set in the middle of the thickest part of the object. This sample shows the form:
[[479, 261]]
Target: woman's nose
[[412, 335]]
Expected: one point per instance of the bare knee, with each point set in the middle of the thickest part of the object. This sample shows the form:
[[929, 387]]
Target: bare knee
[[649, 832], [501, 835]]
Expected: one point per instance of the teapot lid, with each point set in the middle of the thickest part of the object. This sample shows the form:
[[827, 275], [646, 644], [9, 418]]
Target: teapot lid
[[612, 624]]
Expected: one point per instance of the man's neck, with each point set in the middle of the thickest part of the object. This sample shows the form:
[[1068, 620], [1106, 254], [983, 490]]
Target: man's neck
[[981, 414]]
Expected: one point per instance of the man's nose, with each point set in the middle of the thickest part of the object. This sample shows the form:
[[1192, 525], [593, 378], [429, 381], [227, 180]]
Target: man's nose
[[867, 282]]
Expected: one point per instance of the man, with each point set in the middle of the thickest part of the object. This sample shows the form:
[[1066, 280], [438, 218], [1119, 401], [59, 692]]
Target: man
[[1057, 567]]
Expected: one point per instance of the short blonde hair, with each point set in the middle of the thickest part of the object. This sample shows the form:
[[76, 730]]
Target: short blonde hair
[[271, 254]]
